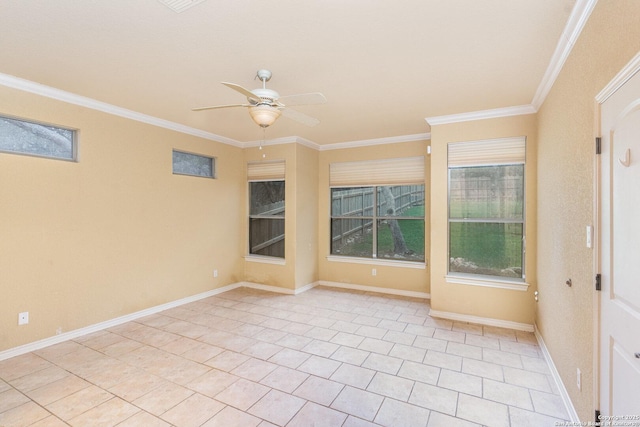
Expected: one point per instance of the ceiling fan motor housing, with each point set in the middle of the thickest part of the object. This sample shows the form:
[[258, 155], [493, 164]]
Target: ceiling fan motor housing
[[267, 96]]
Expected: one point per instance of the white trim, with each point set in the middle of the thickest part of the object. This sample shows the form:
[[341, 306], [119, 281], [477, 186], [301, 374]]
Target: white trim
[[488, 283], [482, 320], [573, 415], [278, 289], [620, 79], [376, 289], [519, 110], [71, 98], [265, 259], [376, 141], [577, 20], [37, 345], [377, 261]]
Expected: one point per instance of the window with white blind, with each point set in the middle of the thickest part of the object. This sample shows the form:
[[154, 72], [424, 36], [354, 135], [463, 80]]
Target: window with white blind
[[487, 208], [266, 208], [377, 209]]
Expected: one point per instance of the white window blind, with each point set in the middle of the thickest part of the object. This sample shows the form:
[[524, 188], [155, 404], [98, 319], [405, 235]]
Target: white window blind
[[503, 151], [400, 171], [266, 171]]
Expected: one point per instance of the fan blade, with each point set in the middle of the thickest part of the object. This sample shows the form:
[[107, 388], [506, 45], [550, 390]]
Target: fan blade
[[299, 117], [221, 106], [245, 92], [302, 99]]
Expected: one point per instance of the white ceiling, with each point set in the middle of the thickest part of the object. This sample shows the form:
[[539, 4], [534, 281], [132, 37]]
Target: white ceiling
[[383, 65]]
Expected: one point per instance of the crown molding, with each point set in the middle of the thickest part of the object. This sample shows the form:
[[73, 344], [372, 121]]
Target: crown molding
[[577, 20], [377, 141], [280, 141], [519, 110], [82, 101], [621, 78]]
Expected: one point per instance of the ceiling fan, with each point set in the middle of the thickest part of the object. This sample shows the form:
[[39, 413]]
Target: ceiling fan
[[266, 105]]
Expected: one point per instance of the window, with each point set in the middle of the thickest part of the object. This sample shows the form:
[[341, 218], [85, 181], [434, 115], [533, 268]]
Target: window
[[377, 209], [193, 164], [24, 137], [266, 209], [486, 208]]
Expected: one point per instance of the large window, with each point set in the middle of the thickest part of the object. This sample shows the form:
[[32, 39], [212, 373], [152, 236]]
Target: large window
[[24, 137], [384, 222], [266, 209], [486, 208], [377, 209]]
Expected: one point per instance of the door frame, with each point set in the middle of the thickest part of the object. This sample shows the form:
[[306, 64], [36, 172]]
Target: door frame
[[616, 83]]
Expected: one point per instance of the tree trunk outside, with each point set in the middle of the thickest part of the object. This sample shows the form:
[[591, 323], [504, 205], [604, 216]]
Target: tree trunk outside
[[399, 245]]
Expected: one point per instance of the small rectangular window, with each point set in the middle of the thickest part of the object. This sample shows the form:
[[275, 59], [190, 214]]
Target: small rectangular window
[[193, 164], [266, 218], [36, 139]]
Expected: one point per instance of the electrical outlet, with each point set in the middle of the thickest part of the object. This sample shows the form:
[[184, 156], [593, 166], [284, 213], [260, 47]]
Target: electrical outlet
[[374, 272], [23, 318], [579, 379], [215, 273]]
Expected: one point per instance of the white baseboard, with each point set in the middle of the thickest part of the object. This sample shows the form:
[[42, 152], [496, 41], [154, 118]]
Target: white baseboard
[[37, 345], [390, 291], [278, 289], [573, 415], [481, 320]]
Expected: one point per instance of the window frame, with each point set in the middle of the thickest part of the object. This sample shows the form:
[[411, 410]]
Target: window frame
[[374, 219], [505, 282], [211, 158], [74, 140]]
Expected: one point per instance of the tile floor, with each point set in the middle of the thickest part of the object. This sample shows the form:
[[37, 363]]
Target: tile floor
[[246, 358]]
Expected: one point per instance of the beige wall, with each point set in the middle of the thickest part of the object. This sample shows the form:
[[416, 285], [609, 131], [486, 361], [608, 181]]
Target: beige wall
[[565, 315], [114, 233], [306, 215], [510, 305], [391, 277]]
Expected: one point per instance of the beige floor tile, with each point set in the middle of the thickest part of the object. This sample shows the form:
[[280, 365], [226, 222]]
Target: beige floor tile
[[20, 366], [354, 376], [393, 413], [319, 366], [284, 379], [357, 422], [232, 417], [483, 411], [371, 331], [419, 330], [143, 419], [79, 402], [202, 352], [500, 333], [380, 362], [429, 343], [193, 411], [319, 390], [391, 386], [464, 350], [163, 398], [399, 337], [393, 325], [482, 341], [294, 341], [277, 407], [23, 415], [109, 413], [524, 349], [227, 360], [262, 350], [50, 421], [521, 418], [434, 398], [443, 360], [316, 415], [254, 369], [503, 358], [419, 372], [508, 394], [289, 358], [136, 385], [57, 390], [535, 364], [548, 404], [436, 419], [359, 403], [376, 346], [212, 383], [56, 351], [347, 339], [532, 380], [242, 394], [469, 328], [463, 383], [345, 326], [320, 348], [11, 398], [483, 369], [350, 355], [406, 352], [100, 340]]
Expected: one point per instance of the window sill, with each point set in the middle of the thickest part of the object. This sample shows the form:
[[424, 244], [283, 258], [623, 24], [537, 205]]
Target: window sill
[[489, 283], [265, 259], [377, 261]]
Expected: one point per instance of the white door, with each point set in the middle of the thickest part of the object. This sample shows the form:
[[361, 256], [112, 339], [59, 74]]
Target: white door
[[620, 253]]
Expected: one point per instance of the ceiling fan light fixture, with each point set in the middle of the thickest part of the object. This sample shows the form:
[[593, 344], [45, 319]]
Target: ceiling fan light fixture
[[264, 115]]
